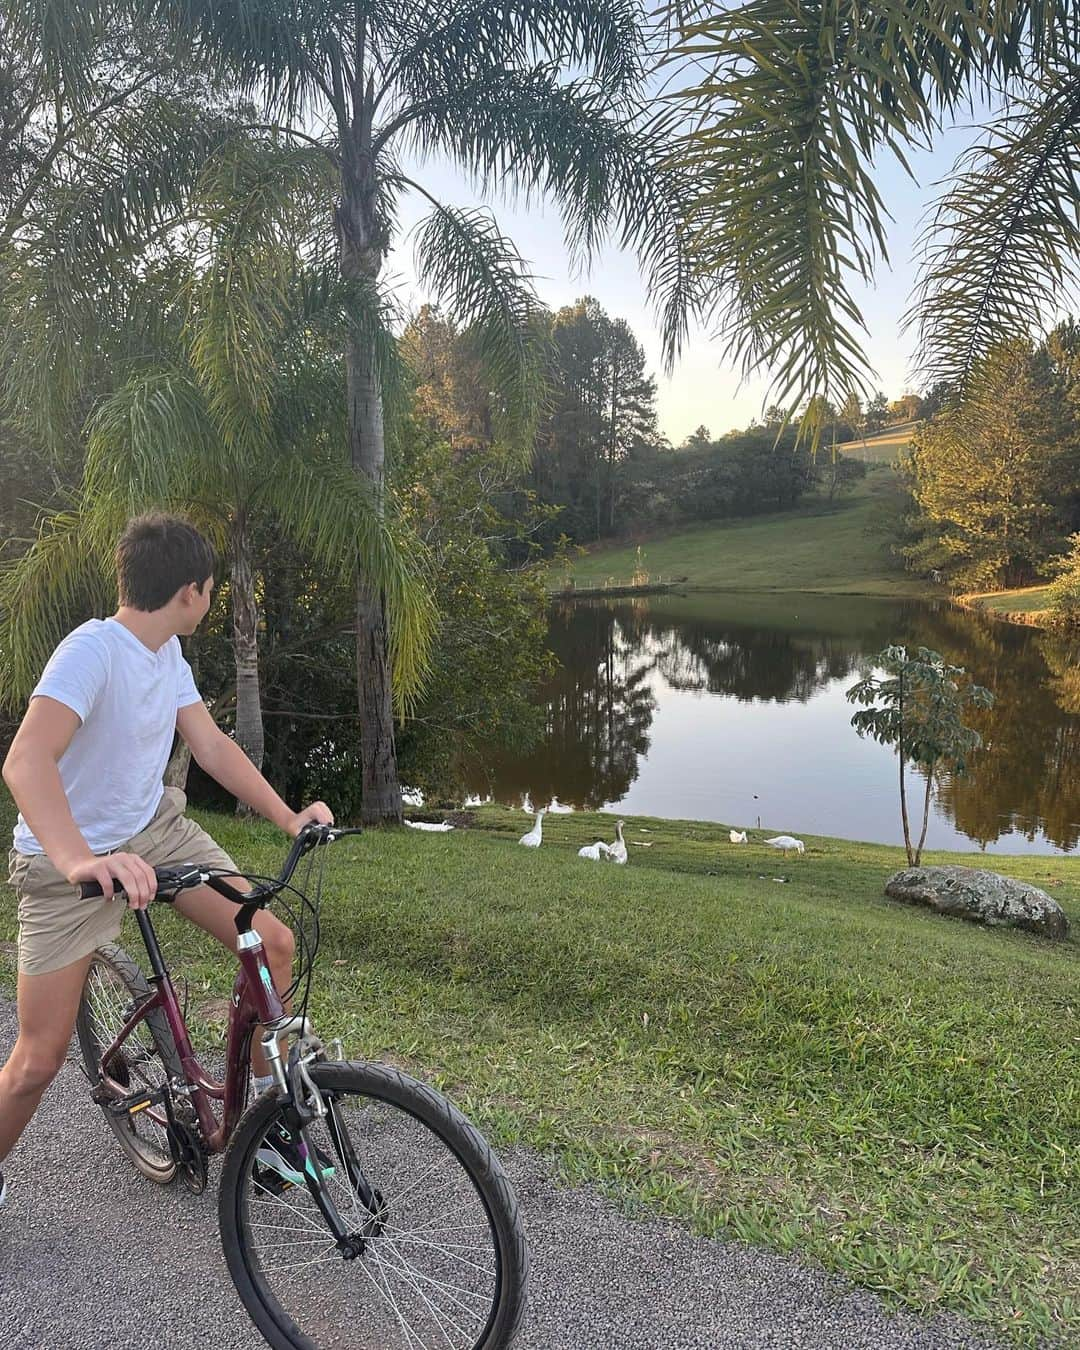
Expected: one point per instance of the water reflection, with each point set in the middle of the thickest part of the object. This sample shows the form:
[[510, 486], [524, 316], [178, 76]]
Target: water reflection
[[727, 707], [599, 705]]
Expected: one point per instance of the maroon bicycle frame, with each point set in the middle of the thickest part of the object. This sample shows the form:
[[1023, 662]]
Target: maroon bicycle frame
[[255, 1000]]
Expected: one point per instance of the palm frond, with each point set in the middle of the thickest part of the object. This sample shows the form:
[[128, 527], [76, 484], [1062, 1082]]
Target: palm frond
[[433, 43], [778, 233], [256, 200], [74, 278], [330, 512], [812, 93], [1001, 249], [535, 135], [42, 592], [465, 261], [272, 49], [57, 36], [326, 306], [152, 441]]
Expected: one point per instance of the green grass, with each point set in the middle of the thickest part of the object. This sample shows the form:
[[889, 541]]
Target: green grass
[[885, 447], [803, 1065], [835, 550], [1026, 600]]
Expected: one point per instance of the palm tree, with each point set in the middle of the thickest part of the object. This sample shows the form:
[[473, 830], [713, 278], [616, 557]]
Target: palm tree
[[484, 83], [785, 109], [234, 419], [104, 124]]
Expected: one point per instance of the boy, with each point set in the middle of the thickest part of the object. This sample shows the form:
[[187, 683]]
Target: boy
[[85, 769]]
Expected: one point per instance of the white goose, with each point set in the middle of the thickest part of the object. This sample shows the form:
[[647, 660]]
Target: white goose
[[536, 834], [616, 852], [594, 852], [788, 843], [737, 836]]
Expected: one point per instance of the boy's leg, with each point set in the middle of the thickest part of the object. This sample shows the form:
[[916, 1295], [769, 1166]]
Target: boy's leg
[[171, 837], [214, 915], [48, 1005]]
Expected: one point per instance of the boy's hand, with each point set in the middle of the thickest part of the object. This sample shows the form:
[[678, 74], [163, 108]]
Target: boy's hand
[[134, 874], [317, 812]]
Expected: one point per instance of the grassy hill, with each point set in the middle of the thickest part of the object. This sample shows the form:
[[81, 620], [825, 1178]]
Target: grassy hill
[[1025, 605], [837, 550], [800, 1064], [885, 447]]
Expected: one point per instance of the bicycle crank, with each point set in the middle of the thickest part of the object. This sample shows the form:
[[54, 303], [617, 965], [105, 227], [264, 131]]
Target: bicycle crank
[[188, 1154]]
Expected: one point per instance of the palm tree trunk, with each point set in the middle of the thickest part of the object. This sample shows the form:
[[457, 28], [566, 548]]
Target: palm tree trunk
[[176, 771], [245, 625], [361, 259], [381, 802]]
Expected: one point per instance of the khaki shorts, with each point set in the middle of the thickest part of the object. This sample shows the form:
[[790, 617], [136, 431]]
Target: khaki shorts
[[57, 926]]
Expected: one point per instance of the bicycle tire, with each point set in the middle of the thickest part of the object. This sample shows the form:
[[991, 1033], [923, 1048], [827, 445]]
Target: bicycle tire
[[111, 964], [424, 1107]]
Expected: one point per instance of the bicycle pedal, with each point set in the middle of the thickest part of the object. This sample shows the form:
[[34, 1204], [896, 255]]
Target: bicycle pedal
[[136, 1102]]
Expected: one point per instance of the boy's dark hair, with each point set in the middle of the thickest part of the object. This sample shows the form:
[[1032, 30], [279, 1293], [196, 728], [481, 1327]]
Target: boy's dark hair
[[156, 555]]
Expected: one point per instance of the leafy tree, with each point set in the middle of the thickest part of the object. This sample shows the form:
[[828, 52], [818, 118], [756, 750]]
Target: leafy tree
[[775, 416], [451, 393], [937, 398], [486, 86], [699, 439], [851, 414], [917, 706], [821, 91], [1063, 594], [839, 474], [630, 415], [747, 472], [489, 651], [602, 411], [876, 412], [983, 469]]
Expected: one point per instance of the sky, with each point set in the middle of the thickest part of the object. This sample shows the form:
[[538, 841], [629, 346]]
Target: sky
[[701, 390]]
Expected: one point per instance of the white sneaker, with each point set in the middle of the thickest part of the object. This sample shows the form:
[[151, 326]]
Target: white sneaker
[[3, 1189]]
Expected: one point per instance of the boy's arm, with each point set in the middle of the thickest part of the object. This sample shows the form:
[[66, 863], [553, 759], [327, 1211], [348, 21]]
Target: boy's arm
[[31, 772], [220, 757]]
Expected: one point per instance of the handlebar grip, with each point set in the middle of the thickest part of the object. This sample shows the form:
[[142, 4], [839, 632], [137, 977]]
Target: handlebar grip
[[170, 878], [89, 889]]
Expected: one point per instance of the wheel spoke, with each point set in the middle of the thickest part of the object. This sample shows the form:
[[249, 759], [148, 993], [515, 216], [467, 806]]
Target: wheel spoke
[[441, 1317], [109, 998], [426, 1245]]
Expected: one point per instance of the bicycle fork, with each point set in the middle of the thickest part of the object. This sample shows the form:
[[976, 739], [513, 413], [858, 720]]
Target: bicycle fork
[[304, 1100], [307, 1103]]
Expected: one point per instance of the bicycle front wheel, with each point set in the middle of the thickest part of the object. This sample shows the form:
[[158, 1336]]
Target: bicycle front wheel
[[440, 1259]]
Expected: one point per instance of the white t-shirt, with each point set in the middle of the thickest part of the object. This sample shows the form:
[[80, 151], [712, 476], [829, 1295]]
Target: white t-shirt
[[127, 698]]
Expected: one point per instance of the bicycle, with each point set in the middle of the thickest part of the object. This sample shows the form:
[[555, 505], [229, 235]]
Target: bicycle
[[358, 1208]]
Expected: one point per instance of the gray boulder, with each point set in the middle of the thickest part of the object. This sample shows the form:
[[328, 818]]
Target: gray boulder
[[982, 897]]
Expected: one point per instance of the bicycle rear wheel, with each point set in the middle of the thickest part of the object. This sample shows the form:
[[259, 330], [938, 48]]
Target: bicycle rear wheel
[[115, 986], [443, 1260]]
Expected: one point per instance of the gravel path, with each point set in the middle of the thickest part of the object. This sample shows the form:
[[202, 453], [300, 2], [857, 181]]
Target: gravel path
[[92, 1256]]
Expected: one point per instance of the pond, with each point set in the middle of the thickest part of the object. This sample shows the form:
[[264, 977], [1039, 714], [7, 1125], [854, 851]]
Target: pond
[[731, 708]]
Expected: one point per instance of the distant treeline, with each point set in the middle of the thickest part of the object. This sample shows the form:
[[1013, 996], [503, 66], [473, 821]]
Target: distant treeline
[[599, 459]]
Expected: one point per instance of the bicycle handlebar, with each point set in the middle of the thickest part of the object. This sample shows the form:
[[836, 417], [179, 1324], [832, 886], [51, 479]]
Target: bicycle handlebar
[[188, 875]]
